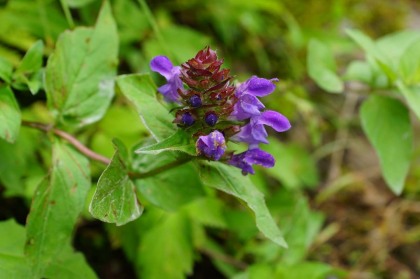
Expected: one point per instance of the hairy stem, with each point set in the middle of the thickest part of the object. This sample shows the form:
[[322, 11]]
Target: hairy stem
[[70, 139], [97, 157]]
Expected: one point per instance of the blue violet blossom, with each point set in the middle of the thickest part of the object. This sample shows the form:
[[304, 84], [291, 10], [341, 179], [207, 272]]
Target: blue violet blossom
[[215, 111]]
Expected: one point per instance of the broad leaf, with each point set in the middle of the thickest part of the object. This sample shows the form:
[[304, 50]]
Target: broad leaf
[[9, 115], [115, 200], [80, 73], [386, 123], [28, 71], [322, 68], [180, 141], [56, 205], [166, 249], [412, 95], [140, 90], [228, 179]]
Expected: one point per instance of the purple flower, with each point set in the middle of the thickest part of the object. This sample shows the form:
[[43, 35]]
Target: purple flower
[[255, 156], [254, 132], [248, 104], [212, 146], [163, 66]]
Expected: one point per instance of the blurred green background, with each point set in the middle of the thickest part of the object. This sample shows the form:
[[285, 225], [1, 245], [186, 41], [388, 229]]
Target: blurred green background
[[326, 191]]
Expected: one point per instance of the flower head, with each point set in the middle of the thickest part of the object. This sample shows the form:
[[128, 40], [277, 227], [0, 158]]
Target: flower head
[[163, 66], [212, 146], [213, 111]]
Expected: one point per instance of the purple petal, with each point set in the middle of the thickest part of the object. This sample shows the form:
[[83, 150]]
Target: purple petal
[[163, 66], [275, 120], [246, 159], [251, 104], [260, 86], [259, 134], [259, 157]]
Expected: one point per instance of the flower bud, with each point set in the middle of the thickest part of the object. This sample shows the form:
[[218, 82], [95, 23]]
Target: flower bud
[[195, 101], [211, 118], [187, 119]]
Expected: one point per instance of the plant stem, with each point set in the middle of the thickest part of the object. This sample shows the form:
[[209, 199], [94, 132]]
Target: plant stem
[[97, 157], [71, 139], [67, 13]]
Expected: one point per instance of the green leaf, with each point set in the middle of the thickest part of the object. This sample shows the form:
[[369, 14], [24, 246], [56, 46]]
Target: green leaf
[[230, 180], [12, 238], [140, 90], [322, 68], [180, 141], [410, 64], [6, 69], [29, 70], [56, 205], [115, 200], [166, 250], [386, 123], [412, 95], [9, 115], [32, 61], [79, 78]]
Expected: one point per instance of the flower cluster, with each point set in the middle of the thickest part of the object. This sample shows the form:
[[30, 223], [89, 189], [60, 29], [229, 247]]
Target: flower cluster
[[217, 112]]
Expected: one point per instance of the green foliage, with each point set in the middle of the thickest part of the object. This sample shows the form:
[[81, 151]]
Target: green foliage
[[115, 199], [169, 211], [387, 124], [322, 67], [79, 77], [9, 115], [58, 201], [227, 179]]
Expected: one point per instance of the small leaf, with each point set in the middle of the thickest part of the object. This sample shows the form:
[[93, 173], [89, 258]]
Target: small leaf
[[166, 250], [9, 115], [115, 200], [79, 78], [322, 68], [410, 64], [140, 90], [228, 179], [180, 141], [29, 70], [56, 205], [6, 69], [412, 95], [386, 123]]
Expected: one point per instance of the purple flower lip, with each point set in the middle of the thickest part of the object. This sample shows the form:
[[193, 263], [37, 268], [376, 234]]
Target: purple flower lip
[[255, 156], [248, 104], [254, 132], [163, 66], [212, 146]]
